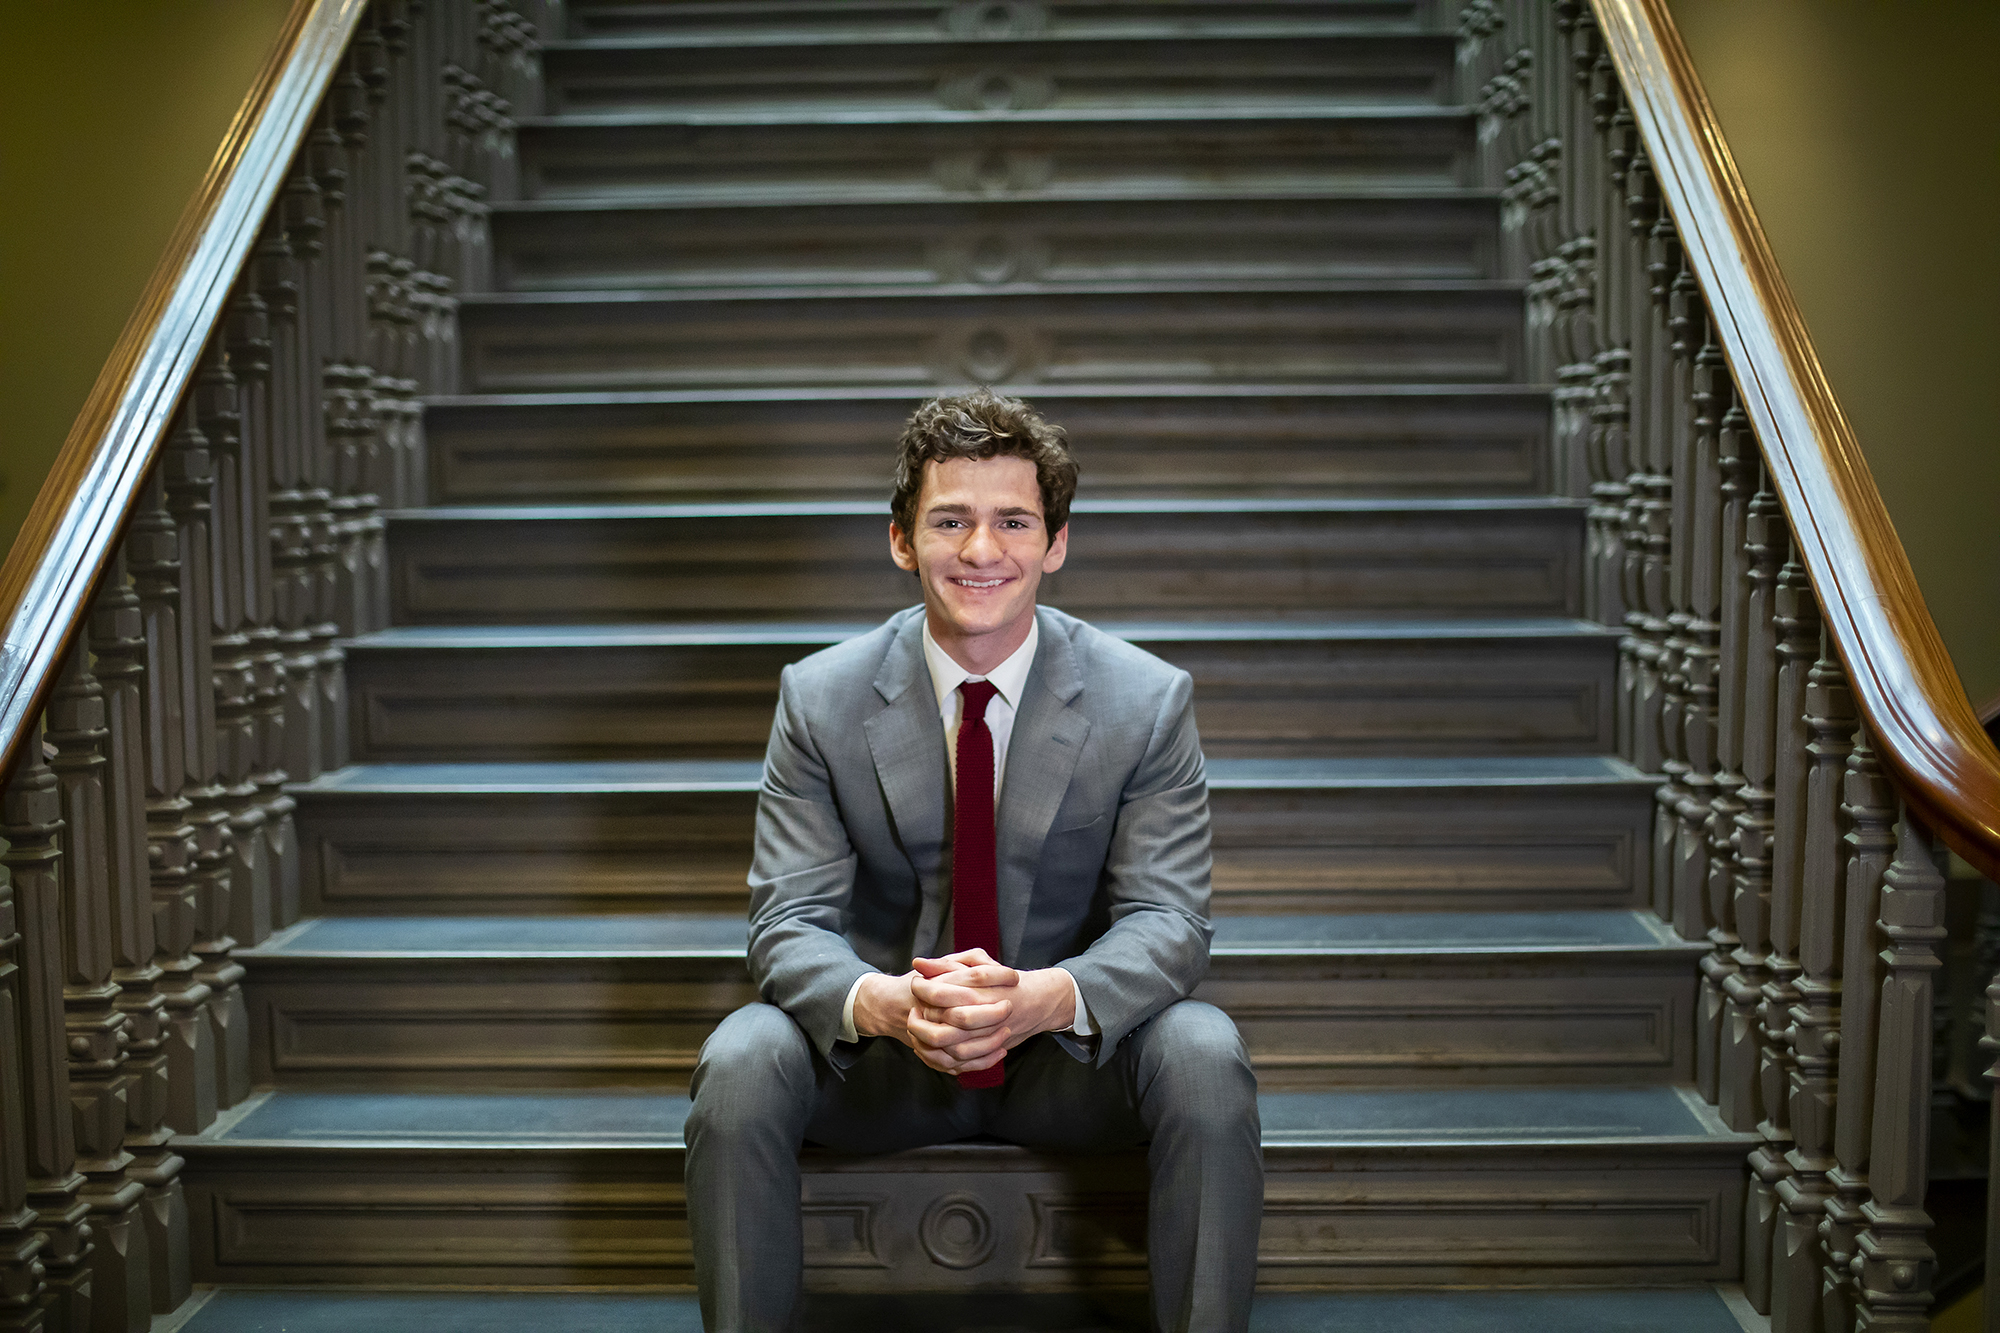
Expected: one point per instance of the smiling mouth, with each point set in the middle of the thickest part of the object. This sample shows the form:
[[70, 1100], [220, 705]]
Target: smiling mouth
[[979, 583]]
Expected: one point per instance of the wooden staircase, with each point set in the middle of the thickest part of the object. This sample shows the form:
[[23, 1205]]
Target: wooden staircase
[[1233, 248]]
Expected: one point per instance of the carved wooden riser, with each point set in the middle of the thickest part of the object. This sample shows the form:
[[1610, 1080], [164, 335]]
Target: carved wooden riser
[[1396, 1216], [1143, 70], [422, 696], [991, 242], [903, 20], [808, 445], [1376, 332], [974, 155], [1442, 835], [1229, 560], [551, 1001]]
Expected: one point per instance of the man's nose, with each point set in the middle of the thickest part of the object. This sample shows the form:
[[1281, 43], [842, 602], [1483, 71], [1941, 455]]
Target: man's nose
[[981, 547]]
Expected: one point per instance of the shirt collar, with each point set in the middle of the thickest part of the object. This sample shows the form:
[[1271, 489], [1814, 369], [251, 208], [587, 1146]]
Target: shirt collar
[[1010, 678]]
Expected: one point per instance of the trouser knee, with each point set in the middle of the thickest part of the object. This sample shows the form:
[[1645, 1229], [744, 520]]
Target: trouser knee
[[1199, 1075], [754, 1077]]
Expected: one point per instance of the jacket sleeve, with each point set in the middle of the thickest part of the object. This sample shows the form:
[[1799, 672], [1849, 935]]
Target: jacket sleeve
[[802, 886], [1157, 872]]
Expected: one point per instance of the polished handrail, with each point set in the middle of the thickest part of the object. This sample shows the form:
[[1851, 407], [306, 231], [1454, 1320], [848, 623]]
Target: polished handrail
[[1903, 678], [46, 581]]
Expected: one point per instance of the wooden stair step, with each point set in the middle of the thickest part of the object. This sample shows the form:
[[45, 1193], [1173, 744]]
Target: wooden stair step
[[1379, 1187], [1438, 687], [580, 245], [1412, 331], [1231, 559], [1697, 1309], [1318, 834], [1321, 1000], [888, 157], [1130, 70], [734, 21], [1357, 440]]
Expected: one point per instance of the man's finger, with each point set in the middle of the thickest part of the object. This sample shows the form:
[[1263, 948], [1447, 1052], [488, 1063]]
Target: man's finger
[[954, 1042], [964, 958], [987, 976], [970, 1017]]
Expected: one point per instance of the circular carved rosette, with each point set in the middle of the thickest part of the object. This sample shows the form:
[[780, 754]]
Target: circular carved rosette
[[957, 1232]]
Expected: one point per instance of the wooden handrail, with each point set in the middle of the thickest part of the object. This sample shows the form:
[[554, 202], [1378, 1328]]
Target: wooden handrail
[[1902, 677], [49, 573]]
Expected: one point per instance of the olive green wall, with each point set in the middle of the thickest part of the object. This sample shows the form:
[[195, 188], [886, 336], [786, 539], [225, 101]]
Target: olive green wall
[[112, 111], [1868, 133]]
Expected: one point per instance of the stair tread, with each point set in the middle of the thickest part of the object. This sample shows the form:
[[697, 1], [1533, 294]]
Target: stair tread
[[1333, 192], [1334, 29], [702, 775], [678, 934], [1315, 504], [1611, 1310], [786, 393], [699, 634], [993, 291], [623, 1118], [942, 116]]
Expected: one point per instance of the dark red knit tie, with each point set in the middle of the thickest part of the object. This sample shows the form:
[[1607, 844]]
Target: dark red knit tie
[[975, 902]]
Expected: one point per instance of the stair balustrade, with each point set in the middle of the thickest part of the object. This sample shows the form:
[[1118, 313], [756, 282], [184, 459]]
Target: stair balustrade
[[174, 657], [214, 533], [1777, 668]]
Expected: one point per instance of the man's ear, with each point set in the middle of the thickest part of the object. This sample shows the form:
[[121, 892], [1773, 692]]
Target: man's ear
[[1058, 551], [901, 550]]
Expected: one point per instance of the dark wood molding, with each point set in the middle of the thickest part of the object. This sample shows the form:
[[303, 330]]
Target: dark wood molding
[[1903, 678], [49, 573]]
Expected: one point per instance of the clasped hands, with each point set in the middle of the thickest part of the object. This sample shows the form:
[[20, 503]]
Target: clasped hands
[[964, 1012]]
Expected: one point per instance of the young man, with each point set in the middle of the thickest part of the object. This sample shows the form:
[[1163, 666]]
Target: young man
[[979, 901]]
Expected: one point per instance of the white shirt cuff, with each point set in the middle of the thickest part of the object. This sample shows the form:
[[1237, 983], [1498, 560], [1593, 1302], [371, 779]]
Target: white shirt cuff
[[1081, 1026], [847, 1032]]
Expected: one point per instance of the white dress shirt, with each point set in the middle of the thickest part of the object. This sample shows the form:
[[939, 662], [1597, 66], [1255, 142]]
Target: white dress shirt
[[1009, 679]]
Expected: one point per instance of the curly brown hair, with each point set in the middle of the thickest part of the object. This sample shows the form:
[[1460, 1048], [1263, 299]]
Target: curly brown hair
[[977, 425]]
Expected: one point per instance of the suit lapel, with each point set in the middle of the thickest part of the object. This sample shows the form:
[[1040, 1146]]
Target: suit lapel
[[906, 740], [1042, 752]]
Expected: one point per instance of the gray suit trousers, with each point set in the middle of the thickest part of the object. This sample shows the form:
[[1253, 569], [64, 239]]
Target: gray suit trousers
[[1180, 1083]]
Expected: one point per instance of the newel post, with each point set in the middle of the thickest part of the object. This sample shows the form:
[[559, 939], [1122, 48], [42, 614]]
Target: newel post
[[1894, 1263]]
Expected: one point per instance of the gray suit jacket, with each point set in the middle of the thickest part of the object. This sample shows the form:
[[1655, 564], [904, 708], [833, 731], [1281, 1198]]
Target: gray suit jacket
[[1102, 828]]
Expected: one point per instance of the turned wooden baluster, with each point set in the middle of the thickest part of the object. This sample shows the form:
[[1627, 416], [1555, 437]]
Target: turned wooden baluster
[[1648, 508], [1707, 681], [1871, 842], [1895, 1265], [1611, 410], [190, 477], [1798, 630], [21, 1286], [242, 901], [247, 333], [117, 630], [1813, 1030], [30, 820], [1745, 820], [152, 553], [94, 1023]]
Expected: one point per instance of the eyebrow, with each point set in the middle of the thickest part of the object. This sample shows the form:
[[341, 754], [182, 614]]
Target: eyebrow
[[1011, 511]]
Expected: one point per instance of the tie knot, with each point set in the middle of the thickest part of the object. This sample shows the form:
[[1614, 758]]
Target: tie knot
[[978, 694]]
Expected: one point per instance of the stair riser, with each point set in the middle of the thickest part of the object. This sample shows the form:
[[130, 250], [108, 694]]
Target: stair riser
[[1353, 1217], [793, 448], [1615, 1016], [1256, 698], [993, 157], [907, 20], [1158, 241], [1219, 564], [906, 77], [1413, 849], [1452, 334]]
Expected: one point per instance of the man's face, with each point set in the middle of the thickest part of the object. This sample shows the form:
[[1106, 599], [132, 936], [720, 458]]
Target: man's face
[[980, 548]]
